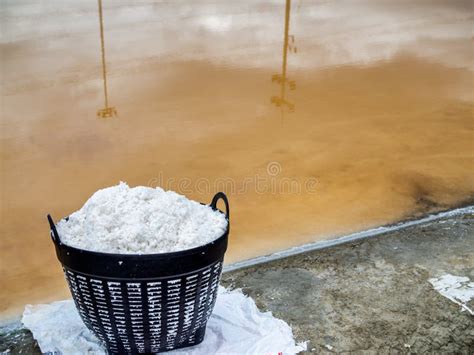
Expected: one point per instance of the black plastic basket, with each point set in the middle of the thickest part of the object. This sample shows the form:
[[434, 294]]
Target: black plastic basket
[[145, 303]]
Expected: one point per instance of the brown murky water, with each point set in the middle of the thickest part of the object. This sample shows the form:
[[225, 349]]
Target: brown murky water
[[367, 121]]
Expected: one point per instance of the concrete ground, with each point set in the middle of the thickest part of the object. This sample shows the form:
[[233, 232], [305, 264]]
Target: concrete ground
[[372, 295], [369, 296]]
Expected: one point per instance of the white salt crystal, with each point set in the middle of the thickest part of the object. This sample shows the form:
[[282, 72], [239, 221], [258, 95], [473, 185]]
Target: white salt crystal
[[140, 220]]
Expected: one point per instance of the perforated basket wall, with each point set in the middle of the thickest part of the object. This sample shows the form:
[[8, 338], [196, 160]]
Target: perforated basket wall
[[146, 315]]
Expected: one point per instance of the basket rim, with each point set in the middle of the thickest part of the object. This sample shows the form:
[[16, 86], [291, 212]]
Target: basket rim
[[172, 254], [138, 279]]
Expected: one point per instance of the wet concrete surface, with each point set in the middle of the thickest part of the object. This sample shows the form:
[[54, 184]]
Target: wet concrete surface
[[372, 295], [369, 296]]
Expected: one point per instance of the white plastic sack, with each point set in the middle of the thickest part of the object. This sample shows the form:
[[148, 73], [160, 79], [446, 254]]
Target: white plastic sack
[[458, 289], [235, 327]]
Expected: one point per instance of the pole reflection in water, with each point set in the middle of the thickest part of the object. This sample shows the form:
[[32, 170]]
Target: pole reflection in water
[[107, 111], [282, 79]]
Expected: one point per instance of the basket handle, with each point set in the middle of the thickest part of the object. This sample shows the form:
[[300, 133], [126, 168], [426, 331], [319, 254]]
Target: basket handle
[[216, 198], [53, 231]]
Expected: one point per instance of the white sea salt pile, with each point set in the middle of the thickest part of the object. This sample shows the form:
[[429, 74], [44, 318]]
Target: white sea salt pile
[[140, 220]]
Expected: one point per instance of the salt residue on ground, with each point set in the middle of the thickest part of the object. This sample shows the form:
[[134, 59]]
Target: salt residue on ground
[[236, 327], [141, 220]]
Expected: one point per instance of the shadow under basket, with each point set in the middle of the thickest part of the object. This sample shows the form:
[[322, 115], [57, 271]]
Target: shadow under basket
[[145, 303]]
